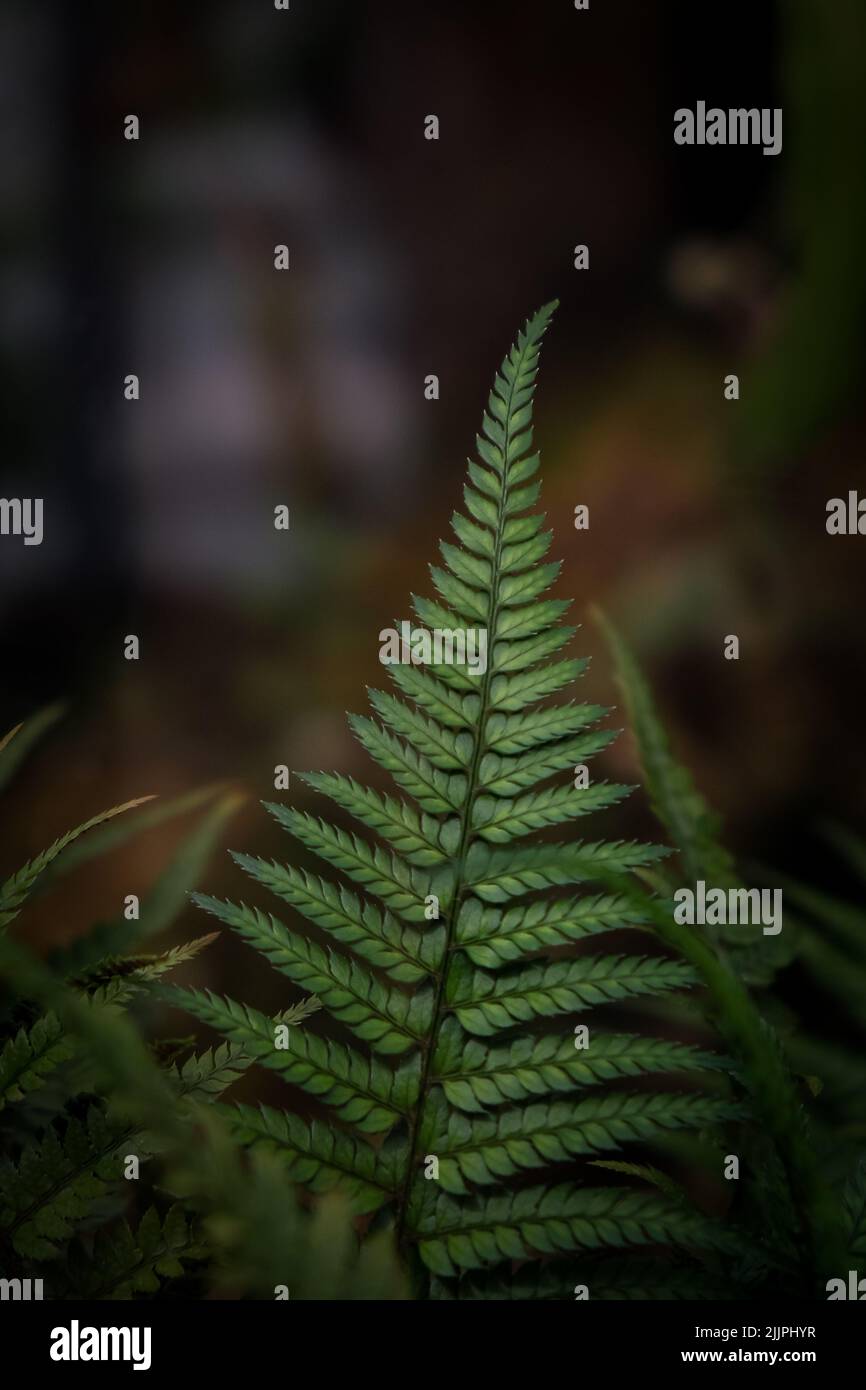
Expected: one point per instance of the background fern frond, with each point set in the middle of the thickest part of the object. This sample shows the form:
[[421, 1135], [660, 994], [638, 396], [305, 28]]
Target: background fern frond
[[15, 891]]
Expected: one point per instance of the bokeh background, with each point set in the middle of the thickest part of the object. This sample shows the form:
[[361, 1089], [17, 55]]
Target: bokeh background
[[410, 257]]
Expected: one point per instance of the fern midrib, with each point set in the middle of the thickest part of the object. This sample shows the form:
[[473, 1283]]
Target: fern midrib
[[461, 886]]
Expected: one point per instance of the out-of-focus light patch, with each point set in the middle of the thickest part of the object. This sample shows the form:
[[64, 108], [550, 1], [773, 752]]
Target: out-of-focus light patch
[[252, 378]]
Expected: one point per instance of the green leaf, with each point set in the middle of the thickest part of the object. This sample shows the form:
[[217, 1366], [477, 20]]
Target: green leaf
[[477, 1076], [15, 891], [404, 953], [314, 1154], [390, 1021], [497, 875], [491, 937], [485, 1003], [484, 1150], [30, 1056], [436, 958], [363, 1091], [57, 1181], [549, 1221], [679, 806]]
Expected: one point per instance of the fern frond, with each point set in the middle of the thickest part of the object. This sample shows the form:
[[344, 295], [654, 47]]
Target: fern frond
[[445, 930], [252, 1218], [15, 891], [693, 827], [56, 1182], [145, 967], [124, 1263], [28, 1058]]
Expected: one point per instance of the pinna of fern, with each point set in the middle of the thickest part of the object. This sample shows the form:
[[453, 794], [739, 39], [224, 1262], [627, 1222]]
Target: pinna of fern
[[63, 1145], [440, 927]]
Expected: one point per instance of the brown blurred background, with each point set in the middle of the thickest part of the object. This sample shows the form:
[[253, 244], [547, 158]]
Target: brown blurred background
[[410, 257]]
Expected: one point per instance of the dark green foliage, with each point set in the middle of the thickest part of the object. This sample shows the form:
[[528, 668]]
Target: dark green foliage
[[64, 1143], [454, 1113], [258, 1239], [788, 1198], [692, 826], [122, 1262], [440, 968]]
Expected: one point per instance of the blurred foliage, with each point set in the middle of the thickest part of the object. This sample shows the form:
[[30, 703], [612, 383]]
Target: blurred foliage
[[807, 1152], [815, 359]]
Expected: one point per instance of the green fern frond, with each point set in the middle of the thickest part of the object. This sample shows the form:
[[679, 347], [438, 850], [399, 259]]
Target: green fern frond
[[643, 1172], [692, 826], [252, 1219], [689, 820], [169, 895], [773, 1096], [441, 936], [57, 1181], [122, 1263], [15, 891], [145, 967], [29, 1057]]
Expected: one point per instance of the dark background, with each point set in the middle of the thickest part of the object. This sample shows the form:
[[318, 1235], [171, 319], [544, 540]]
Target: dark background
[[707, 517]]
